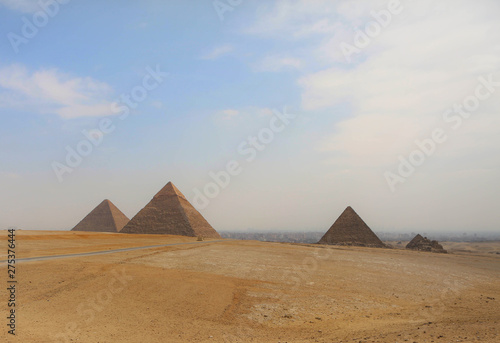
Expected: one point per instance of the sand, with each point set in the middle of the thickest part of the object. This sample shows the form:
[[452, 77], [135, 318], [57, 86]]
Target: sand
[[246, 291]]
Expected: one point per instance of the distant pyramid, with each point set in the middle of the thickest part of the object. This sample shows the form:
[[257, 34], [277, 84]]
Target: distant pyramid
[[425, 244], [106, 217], [350, 229], [170, 213]]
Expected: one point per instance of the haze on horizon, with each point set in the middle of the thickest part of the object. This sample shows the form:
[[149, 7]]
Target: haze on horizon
[[430, 72]]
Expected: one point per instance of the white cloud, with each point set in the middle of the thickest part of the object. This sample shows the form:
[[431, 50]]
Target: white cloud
[[244, 114], [75, 111], [217, 52], [265, 112], [229, 113], [415, 70], [427, 59], [291, 19], [311, 26], [26, 6], [275, 63], [50, 91]]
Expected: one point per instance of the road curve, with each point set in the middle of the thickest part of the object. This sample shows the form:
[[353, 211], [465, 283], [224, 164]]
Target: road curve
[[53, 257]]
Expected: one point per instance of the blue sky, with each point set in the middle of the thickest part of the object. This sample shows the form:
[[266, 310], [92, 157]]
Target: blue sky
[[355, 115]]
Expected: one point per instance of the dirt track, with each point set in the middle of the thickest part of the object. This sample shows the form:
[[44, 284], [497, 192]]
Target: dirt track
[[242, 291]]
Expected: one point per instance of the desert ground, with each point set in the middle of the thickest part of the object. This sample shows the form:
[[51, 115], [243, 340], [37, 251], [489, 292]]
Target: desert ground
[[248, 291]]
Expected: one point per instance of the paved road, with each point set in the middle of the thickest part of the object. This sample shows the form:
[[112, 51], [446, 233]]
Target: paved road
[[42, 258]]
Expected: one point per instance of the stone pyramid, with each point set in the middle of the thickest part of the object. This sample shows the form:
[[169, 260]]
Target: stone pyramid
[[106, 217], [170, 213], [350, 229], [425, 244]]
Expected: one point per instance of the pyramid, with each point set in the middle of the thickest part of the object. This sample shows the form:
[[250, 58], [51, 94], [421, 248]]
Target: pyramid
[[425, 244], [170, 213], [106, 217], [350, 229]]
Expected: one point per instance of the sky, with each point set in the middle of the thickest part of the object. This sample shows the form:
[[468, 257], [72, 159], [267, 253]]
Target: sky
[[269, 115]]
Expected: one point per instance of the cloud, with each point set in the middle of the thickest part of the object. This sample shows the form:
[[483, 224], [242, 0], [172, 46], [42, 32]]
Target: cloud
[[244, 114], [428, 58], [290, 19], [217, 52], [265, 112], [413, 72], [50, 91], [25, 6], [304, 30], [275, 64], [229, 113], [75, 111]]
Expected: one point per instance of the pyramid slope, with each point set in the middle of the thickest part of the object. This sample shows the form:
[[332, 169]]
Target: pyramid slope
[[416, 241], [170, 213], [106, 217], [350, 229]]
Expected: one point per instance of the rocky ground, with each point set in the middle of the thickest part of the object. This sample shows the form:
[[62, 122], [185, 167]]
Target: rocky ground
[[246, 291]]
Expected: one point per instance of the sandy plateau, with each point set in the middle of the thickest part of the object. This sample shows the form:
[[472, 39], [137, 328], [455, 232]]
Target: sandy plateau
[[247, 291]]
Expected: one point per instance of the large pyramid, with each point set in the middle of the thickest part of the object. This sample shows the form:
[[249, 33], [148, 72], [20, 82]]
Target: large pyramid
[[170, 213], [350, 229], [106, 217]]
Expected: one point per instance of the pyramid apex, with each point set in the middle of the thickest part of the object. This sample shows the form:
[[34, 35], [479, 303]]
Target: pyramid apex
[[168, 190], [107, 202], [349, 209]]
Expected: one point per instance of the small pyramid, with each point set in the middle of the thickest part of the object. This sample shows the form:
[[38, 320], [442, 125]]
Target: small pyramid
[[106, 217], [425, 244], [415, 242], [170, 213], [350, 229]]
